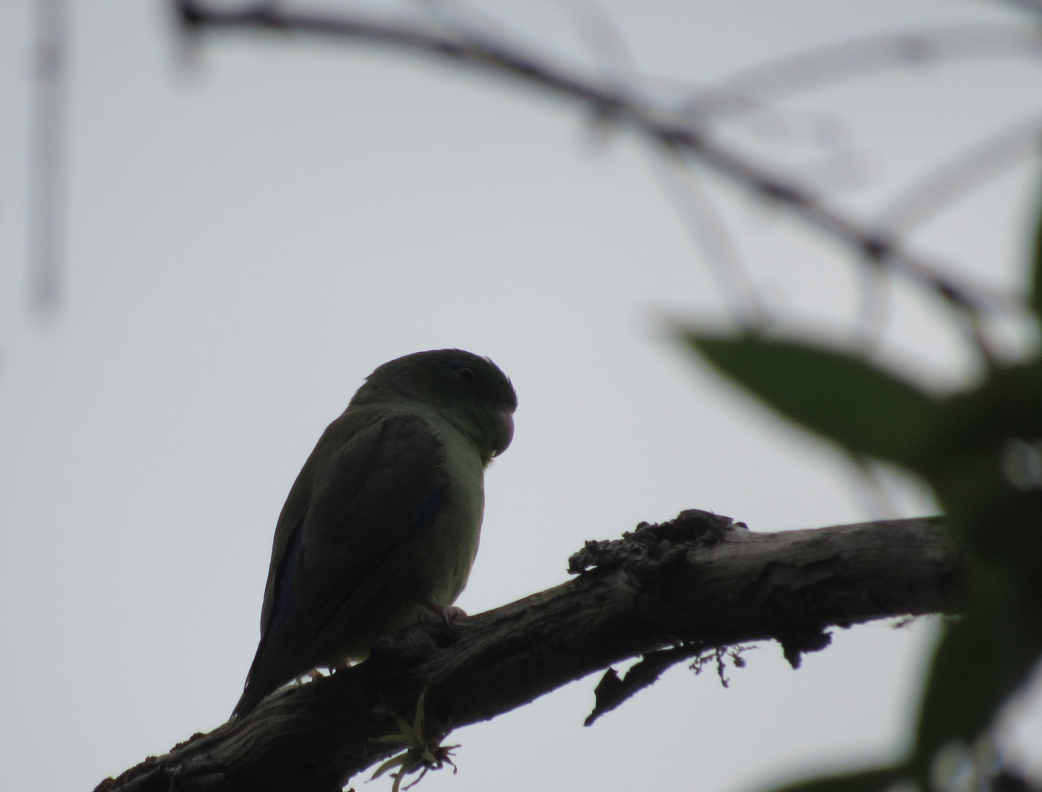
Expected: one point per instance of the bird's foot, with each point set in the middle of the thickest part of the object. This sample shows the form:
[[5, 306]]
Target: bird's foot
[[433, 612], [419, 753]]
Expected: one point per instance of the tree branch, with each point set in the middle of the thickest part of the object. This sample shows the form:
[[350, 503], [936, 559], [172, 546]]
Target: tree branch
[[672, 130], [698, 580]]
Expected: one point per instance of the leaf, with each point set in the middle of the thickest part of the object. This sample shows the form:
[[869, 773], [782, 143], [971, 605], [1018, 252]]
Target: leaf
[[833, 393], [959, 702], [967, 464], [1036, 272], [876, 780], [958, 444], [982, 660]]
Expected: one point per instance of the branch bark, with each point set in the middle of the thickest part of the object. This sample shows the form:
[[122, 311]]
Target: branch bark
[[666, 592]]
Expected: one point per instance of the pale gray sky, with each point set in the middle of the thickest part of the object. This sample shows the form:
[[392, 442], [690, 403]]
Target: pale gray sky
[[248, 238]]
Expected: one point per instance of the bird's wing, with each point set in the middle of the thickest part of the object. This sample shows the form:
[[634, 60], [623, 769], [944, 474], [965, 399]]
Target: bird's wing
[[364, 498], [378, 498]]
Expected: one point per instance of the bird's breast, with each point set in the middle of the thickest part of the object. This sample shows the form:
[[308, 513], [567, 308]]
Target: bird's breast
[[445, 551]]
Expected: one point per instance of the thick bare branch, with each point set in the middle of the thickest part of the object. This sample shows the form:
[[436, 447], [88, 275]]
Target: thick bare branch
[[697, 580]]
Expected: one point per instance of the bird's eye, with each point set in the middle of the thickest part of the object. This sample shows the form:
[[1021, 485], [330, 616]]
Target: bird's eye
[[465, 374]]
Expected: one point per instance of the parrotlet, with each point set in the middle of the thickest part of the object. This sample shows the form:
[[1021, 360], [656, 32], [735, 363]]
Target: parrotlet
[[382, 523]]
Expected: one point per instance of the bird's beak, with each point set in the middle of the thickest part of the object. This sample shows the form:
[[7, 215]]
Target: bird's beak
[[506, 431]]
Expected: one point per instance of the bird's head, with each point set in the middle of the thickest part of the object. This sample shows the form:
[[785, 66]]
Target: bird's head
[[468, 389]]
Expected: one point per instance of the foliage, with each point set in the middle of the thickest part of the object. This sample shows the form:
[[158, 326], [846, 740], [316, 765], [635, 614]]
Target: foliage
[[981, 452]]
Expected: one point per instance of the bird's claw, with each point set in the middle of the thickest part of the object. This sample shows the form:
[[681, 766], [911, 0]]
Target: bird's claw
[[433, 612]]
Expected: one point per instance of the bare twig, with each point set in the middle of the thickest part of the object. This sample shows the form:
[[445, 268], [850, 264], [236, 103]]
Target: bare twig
[[749, 88], [709, 231], [873, 306], [603, 41], [666, 127], [694, 206], [46, 224], [960, 174]]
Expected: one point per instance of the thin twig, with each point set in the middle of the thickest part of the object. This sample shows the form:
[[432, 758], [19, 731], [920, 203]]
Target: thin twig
[[622, 107], [694, 206], [873, 308], [708, 230], [957, 176], [46, 224], [748, 88]]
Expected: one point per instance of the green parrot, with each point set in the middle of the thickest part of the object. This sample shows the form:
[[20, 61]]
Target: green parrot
[[382, 522]]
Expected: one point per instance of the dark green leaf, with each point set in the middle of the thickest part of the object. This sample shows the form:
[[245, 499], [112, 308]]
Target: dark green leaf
[[996, 515], [864, 409], [980, 485], [877, 780], [981, 661], [1036, 262]]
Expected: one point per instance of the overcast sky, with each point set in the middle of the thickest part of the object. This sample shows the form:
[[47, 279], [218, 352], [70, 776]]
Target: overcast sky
[[250, 234]]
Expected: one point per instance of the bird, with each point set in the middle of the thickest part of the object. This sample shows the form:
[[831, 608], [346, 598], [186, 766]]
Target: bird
[[382, 523]]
